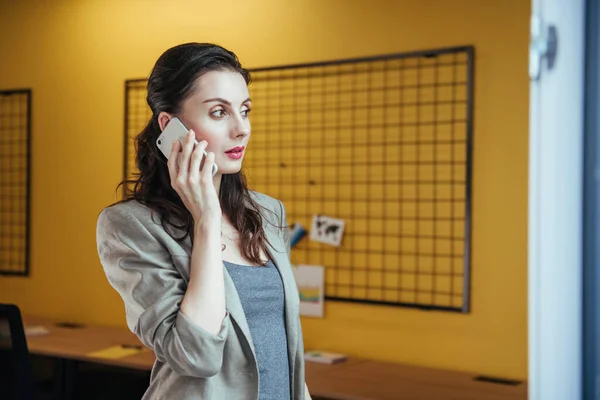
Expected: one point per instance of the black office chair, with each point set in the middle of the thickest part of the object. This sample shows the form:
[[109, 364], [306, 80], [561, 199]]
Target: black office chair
[[16, 377]]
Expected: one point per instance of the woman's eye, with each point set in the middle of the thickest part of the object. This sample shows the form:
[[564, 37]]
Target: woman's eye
[[246, 112], [218, 113]]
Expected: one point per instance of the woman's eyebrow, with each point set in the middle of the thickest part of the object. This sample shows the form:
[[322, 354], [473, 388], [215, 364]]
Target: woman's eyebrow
[[221, 100]]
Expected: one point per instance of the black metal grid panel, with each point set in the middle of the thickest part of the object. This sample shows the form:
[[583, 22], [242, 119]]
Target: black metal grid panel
[[384, 143], [137, 115], [15, 181]]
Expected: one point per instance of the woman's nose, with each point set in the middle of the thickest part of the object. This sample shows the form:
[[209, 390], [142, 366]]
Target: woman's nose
[[242, 127]]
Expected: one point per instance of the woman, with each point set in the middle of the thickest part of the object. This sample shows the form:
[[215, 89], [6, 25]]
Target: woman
[[201, 262]]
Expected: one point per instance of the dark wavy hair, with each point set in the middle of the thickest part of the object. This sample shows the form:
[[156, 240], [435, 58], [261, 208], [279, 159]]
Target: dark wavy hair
[[172, 81]]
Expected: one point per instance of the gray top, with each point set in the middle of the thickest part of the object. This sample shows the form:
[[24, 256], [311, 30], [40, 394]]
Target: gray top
[[261, 292]]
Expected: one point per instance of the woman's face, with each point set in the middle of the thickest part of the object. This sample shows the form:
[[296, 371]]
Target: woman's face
[[218, 113]]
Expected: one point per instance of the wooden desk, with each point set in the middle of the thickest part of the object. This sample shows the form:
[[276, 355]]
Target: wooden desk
[[68, 346], [354, 379], [77, 343], [375, 380]]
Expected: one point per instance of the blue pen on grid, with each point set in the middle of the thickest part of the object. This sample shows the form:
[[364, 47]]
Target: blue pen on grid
[[297, 232]]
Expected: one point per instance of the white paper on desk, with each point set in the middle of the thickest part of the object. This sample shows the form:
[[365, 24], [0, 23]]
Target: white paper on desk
[[29, 330], [36, 330], [310, 281]]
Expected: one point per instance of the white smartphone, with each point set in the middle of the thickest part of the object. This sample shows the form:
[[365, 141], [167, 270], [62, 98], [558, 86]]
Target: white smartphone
[[175, 130]]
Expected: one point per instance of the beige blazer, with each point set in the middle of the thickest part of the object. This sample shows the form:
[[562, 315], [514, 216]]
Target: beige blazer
[[150, 271]]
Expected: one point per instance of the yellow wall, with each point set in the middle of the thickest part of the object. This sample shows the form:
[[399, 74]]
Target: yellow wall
[[75, 55]]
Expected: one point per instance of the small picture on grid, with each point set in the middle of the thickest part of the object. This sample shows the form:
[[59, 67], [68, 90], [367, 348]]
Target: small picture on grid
[[327, 230]]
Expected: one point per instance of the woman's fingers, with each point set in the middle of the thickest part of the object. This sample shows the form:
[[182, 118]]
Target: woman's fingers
[[172, 162], [188, 147], [191, 177], [196, 161], [208, 168]]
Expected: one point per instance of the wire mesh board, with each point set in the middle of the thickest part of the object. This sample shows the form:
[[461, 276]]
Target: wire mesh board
[[137, 115], [15, 142], [383, 143]]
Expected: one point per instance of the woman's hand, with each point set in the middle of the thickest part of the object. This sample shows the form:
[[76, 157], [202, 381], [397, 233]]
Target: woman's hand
[[195, 186]]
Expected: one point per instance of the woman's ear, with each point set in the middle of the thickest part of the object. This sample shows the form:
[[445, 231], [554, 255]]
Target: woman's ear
[[163, 120]]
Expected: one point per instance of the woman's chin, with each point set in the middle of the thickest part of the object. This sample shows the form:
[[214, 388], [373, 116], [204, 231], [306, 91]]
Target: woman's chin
[[229, 167]]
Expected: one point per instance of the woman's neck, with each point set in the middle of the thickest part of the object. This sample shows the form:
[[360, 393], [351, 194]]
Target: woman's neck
[[217, 182]]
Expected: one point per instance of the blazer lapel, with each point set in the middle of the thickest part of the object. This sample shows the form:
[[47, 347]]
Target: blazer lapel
[[278, 254]]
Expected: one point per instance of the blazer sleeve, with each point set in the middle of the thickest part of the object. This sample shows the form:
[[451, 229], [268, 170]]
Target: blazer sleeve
[[141, 270]]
